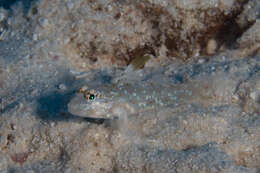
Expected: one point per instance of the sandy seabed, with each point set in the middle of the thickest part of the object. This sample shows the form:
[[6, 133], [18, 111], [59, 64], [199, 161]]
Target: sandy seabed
[[200, 87]]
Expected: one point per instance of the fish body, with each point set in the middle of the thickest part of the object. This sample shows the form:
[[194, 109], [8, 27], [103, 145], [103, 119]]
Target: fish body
[[121, 100]]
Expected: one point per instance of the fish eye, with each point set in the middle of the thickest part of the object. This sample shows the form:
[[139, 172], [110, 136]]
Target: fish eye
[[91, 97]]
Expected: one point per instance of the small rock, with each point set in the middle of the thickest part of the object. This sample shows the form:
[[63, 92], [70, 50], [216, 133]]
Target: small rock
[[35, 37], [20, 157], [62, 87], [201, 60], [255, 96], [70, 5], [212, 47], [44, 22], [53, 124], [3, 14], [235, 98], [3, 34]]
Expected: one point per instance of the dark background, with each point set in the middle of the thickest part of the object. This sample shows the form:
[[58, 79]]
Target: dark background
[[8, 3]]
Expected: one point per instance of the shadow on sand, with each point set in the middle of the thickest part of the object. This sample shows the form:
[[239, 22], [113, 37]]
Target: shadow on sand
[[53, 107]]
